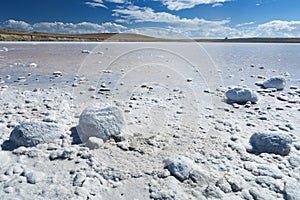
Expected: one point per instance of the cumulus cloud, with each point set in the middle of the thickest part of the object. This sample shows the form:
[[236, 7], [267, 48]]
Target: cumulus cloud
[[280, 28], [17, 25], [175, 26], [61, 27], [184, 4], [145, 14]]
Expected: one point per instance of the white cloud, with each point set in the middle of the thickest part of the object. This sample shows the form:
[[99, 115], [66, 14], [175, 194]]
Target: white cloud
[[145, 14], [70, 28], [96, 3], [245, 24], [176, 27], [217, 5], [101, 3], [117, 1], [184, 4], [279, 28], [18, 25]]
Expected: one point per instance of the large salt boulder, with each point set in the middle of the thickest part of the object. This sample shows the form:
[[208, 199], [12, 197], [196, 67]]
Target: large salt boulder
[[241, 95], [275, 82], [32, 133], [100, 122], [277, 143]]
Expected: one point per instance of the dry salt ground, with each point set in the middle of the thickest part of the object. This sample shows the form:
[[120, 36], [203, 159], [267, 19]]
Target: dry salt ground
[[144, 121]]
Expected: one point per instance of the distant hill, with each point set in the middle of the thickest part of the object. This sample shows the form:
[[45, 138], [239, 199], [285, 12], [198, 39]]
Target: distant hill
[[14, 35]]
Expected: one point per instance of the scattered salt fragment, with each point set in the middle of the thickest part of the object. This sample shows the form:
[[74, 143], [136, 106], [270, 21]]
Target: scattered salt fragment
[[57, 73], [283, 98], [293, 87], [86, 51], [8, 76], [107, 71], [94, 143], [21, 78], [4, 49], [277, 143], [284, 128], [33, 65], [104, 89], [189, 80], [33, 177], [92, 88], [261, 77], [235, 105], [241, 95], [275, 82], [79, 179]]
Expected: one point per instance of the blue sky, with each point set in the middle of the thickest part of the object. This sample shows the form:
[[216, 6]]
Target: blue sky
[[163, 18]]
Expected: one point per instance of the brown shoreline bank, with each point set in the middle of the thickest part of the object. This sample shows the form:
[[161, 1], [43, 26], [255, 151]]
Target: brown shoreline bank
[[14, 35]]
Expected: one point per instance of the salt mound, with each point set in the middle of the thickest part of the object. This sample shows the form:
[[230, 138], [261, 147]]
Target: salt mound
[[241, 95], [275, 82], [32, 133], [277, 143], [100, 122]]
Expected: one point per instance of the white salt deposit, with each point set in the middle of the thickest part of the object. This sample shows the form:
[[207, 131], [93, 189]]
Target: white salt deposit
[[275, 82], [241, 95], [100, 122]]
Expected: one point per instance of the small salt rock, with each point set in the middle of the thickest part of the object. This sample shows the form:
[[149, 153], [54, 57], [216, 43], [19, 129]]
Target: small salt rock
[[92, 88], [180, 167], [293, 87], [261, 77], [21, 78], [189, 80], [284, 128], [275, 82], [9, 189], [32, 133], [86, 51], [277, 143], [241, 95], [107, 71], [33, 65], [235, 105], [5, 49], [259, 83], [33, 177], [283, 98], [79, 179], [94, 143], [57, 73]]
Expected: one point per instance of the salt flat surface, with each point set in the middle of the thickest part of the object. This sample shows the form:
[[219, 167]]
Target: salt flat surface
[[182, 138]]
